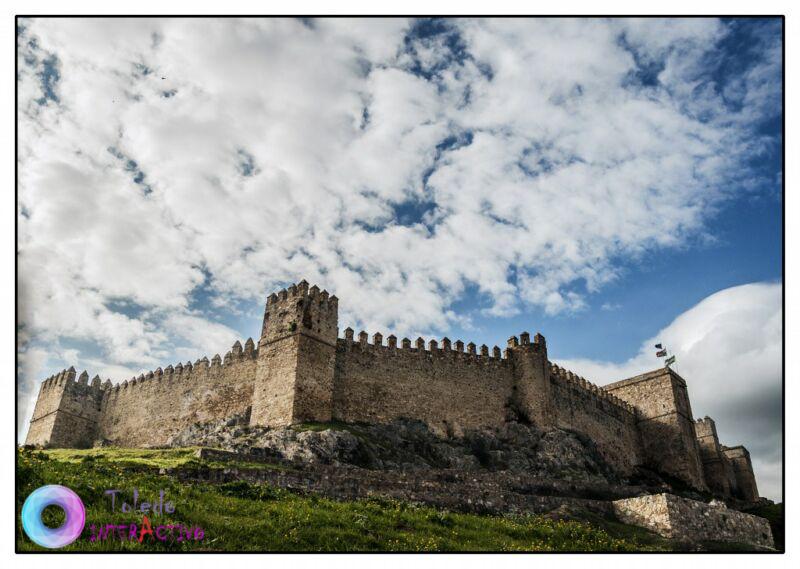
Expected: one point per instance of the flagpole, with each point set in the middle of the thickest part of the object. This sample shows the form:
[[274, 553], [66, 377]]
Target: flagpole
[[662, 352]]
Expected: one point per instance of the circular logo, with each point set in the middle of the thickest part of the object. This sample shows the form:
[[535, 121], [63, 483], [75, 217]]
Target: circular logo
[[53, 495]]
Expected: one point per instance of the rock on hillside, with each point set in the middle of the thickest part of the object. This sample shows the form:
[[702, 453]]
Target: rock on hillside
[[410, 445]]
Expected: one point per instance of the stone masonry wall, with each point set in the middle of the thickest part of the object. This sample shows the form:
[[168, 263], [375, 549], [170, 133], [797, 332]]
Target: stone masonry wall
[[717, 469], [67, 411], [610, 422], [150, 410], [665, 423], [79, 413], [297, 349], [449, 389], [273, 395], [739, 457], [51, 392], [453, 390], [689, 520], [302, 372]]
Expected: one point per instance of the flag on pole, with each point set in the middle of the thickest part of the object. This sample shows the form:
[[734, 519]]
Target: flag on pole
[[661, 353], [659, 346], [669, 361]]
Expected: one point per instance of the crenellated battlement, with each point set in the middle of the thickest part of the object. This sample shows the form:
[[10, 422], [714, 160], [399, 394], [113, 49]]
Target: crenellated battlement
[[67, 409], [431, 349], [302, 290], [300, 309], [73, 410], [67, 379], [297, 348], [202, 367], [578, 382], [179, 371], [706, 431]]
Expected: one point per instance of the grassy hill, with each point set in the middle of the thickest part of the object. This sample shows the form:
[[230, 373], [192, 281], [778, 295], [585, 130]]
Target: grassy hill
[[238, 516]]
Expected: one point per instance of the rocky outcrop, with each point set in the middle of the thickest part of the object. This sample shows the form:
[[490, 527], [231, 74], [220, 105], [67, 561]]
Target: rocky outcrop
[[480, 492], [411, 446], [515, 468]]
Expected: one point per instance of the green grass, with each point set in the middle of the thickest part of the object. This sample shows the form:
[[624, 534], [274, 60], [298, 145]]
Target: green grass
[[635, 534], [148, 458], [239, 516], [317, 427], [356, 429], [161, 458]]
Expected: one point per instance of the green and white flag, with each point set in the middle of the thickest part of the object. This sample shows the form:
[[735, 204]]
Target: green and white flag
[[669, 361]]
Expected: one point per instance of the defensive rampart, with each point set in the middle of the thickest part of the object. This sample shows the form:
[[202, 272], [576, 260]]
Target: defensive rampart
[[447, 387], [608, 420], [300, 371], [153, 408], [665, 423]]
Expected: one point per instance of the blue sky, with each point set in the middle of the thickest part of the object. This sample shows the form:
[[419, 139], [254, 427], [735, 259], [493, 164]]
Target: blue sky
[[652, 292], [606, 182]]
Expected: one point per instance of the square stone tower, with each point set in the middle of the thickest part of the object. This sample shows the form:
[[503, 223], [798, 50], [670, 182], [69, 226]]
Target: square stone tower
[[746, 487], [666, 423], [717, 469], [67, 411], [296, 358], [532, 397]]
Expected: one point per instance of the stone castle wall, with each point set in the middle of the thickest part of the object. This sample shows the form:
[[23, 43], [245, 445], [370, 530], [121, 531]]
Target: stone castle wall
[[448, 388], [609, 421], [44, 413], [145, 411], [294, 377], [151, 409], [67, 411], [717, 468], [665, 423], [739, 458], [302, 372], [454, 390]]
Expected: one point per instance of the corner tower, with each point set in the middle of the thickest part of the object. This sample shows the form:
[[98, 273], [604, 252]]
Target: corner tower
[[665, 422], [717, 469], [66, 412], [296, 357], [746, 488]]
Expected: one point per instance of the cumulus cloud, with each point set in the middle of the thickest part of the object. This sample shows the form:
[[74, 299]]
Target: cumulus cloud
[[398, 163], [729, 350]]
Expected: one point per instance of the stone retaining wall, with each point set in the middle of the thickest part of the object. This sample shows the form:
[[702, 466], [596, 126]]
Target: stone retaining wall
[[689, 520]]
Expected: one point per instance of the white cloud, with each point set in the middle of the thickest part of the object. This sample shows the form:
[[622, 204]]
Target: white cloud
[[31, 363], [729, 350], [201, 336], [238, 155]]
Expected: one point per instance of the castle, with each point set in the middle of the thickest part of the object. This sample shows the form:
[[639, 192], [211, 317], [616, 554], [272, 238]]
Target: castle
[[301, 371]]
